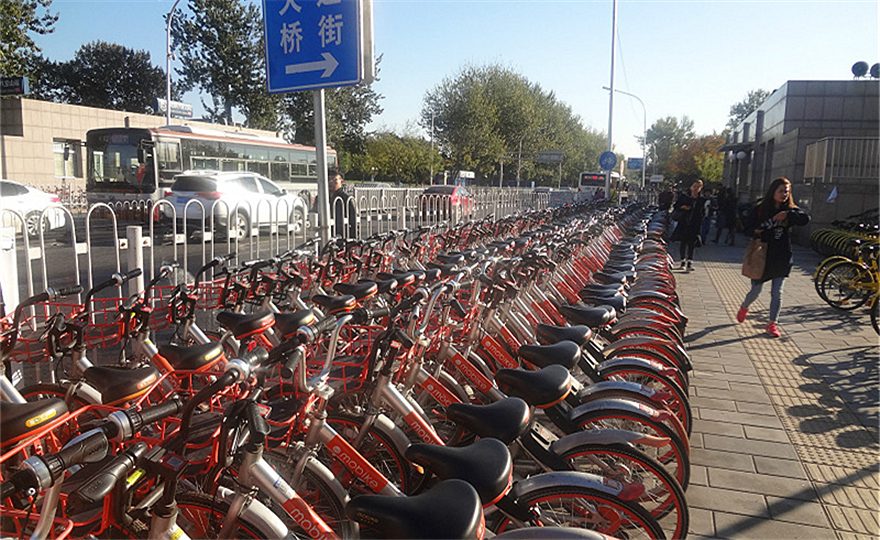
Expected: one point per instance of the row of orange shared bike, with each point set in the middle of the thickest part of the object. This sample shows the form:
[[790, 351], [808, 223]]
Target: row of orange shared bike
[[523, 377]]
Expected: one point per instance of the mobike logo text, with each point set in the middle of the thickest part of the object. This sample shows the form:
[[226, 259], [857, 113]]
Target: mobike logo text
[[498, 353], [472, 374], [346, 454], [439, 392], [41, 418], [422, 432], [306, 519]]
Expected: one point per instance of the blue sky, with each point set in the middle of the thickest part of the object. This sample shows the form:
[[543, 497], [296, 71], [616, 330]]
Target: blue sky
[[694, 58]]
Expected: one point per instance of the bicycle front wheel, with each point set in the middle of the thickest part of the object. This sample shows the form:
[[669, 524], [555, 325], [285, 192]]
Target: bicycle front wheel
[[584, 508], [201, 516]]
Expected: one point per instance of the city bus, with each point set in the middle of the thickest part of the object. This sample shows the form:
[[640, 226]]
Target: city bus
[[138, 164]]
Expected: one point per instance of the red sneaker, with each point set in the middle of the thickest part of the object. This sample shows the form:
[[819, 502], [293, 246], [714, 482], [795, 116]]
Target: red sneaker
[[741, 314], [773, 329]]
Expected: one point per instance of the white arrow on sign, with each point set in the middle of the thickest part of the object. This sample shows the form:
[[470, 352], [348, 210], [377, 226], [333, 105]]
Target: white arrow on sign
[[328, 64]]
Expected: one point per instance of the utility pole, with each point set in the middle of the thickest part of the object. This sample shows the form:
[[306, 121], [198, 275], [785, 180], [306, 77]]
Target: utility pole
[[168, 63], [611, 96]]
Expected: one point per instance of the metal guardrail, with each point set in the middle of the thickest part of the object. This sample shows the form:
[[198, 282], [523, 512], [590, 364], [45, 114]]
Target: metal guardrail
[[199, 234]]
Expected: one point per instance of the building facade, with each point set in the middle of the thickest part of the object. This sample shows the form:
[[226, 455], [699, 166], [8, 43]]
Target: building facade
[[42, 144], [831, 125]]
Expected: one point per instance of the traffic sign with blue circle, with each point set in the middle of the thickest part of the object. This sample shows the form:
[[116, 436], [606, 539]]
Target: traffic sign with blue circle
[[312, 44], [607, 160]]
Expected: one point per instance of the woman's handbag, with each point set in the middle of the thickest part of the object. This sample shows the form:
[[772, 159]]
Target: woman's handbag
[[755, 260]]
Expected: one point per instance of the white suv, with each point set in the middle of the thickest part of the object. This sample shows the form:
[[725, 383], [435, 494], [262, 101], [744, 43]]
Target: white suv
[[253, 199]]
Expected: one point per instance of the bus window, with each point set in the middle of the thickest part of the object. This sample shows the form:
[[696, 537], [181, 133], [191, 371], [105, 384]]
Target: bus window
[[280, 172], [115, 163], [205, 163], [231, 165]]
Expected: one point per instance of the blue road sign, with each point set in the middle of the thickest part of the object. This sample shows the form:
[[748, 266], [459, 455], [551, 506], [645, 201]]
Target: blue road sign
[[607, 160], [312, 44], [634, 163]]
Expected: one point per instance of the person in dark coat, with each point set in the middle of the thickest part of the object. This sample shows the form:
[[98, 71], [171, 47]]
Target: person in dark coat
[[771, 220], [664, 201], [689, 210], [726, 216], [341, 206]]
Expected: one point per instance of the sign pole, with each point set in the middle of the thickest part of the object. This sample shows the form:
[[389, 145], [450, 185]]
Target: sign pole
[[611, 97], [321, 156]]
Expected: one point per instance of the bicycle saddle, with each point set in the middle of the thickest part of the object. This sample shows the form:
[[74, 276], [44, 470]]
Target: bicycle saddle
[[611, 277], [486, 465], [543, 388], [564, 353], [288, 323], [432, 274], [504, 420], [593, 317], [243, 325], [616, 302], [547, 333], [451, 509], [19, 420], [445, 270], [384, 286], [403, 279], [192, 358], [454, 259], [335, 304], [118, 384], [361, 291]]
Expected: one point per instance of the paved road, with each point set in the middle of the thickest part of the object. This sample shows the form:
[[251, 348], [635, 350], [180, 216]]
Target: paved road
[[785, 441]]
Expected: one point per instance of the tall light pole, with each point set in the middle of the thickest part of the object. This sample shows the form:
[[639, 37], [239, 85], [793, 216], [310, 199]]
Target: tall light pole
[[168, 63], [644, 130], [431, 180], [611, 97]]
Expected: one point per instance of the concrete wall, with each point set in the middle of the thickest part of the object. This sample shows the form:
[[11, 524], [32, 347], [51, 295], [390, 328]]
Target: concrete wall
[[28, 128]]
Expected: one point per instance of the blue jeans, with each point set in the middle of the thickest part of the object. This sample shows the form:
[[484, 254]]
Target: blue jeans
[[775, 296]]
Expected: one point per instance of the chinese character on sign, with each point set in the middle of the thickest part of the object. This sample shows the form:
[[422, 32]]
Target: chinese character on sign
[[291, 37], [290, 4], [328, 2], [331, 26]]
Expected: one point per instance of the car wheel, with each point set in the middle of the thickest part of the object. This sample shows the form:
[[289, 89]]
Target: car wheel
[[240, 227], [32, 223]]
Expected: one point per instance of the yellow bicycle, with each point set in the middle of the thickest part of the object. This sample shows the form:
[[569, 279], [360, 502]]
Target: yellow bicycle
[[848, 284]]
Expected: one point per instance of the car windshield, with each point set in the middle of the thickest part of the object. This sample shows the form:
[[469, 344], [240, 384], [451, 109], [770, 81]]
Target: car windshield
[[440, 190]]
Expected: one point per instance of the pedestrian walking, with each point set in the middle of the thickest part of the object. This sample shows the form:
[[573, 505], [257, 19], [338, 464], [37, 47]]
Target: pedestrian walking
[[688, 211], [771, 220], [711, 204], [726, 216], [665, 199], [341, 206]]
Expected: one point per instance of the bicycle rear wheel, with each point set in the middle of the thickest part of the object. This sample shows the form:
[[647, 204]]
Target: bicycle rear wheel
[[200, 516], [844, 285], [585, 508], [663, 497]]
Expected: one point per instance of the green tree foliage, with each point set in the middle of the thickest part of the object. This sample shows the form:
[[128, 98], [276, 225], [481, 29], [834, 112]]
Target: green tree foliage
[[739, 111], [394, 158], [664, 137], [220, 46], [18, 20], [85, 80], [484, 115]]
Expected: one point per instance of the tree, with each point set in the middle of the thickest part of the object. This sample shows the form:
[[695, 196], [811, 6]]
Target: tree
[[697, 159], [483, 116], [390, 157], [664, 137], [18, 19], [85, 80], [220, 46], [739, 111]]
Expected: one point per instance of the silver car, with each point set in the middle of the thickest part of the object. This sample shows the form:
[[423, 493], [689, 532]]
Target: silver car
[[30, 203], [252, 199]]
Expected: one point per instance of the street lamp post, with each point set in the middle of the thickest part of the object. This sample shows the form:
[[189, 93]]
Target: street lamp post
[[519, 155], [644, 129], [431, 180], [168, 63]]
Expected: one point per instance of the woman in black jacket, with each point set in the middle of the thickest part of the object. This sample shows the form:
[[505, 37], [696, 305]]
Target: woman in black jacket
[[689, 210], [771, 220]]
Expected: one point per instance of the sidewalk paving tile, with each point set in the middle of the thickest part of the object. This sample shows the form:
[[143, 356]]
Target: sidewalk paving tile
[[780, 467], [726, 500], [747, 528], [761, 484]]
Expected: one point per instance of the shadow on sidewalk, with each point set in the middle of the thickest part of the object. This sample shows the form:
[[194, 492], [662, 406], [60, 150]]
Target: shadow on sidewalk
[[836, 320], [790, 504], [846, 388]]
